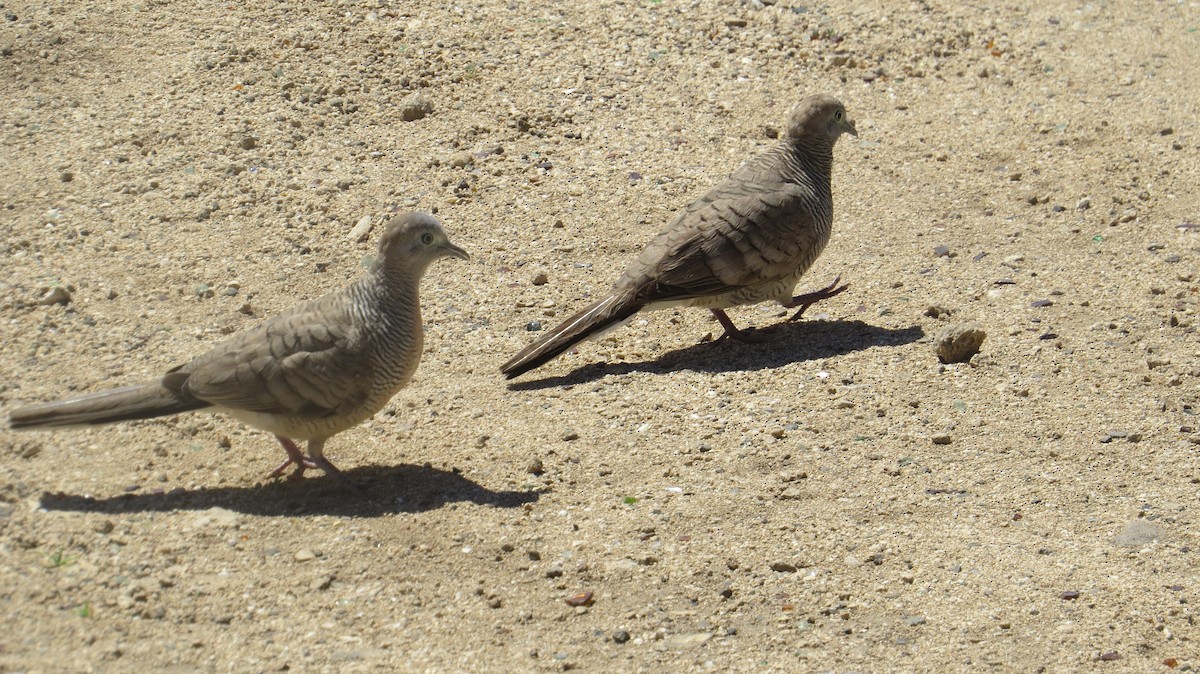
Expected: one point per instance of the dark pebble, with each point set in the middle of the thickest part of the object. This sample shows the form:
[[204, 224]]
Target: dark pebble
[[620, 636]]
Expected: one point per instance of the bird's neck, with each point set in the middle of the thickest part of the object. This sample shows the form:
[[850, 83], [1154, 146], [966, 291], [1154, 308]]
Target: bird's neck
[[807, 160], [392, 286], [397, 275]]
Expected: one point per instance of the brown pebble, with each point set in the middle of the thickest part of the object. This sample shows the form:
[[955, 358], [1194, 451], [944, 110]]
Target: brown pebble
[[581, 599], [959, 342], [416, 107], [55, 295]]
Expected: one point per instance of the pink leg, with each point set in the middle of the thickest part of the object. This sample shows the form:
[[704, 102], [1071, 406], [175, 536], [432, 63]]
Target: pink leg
[[808, 299], [294, 456], [732, 331]]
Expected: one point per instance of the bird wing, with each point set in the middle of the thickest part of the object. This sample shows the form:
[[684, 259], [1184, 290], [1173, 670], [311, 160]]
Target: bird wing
[[738, 235], [306, 362]]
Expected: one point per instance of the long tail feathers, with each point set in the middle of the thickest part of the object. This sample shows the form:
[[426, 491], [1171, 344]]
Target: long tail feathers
[[596, 318], [106, 407]]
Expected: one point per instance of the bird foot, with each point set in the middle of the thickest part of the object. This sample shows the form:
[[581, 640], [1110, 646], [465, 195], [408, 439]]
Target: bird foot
[[294, 456], [302, 465], [748, 336], [808, 299]]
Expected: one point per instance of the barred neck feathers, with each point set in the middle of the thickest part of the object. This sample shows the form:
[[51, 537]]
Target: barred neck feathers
[[810, 157]]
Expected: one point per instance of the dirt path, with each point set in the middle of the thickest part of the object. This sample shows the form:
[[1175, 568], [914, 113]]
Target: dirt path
[[183, 170]]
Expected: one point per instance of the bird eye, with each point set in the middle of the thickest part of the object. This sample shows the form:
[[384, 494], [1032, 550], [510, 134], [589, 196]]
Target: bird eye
[[427, 239], [837, 115]]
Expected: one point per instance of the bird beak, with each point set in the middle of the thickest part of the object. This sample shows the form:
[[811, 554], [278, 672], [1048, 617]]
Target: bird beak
[[454, 251], [851, 129]]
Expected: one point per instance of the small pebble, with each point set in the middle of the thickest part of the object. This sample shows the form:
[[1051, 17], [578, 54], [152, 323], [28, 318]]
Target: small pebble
[[581, 599], [55, 295], [362, 229], [540, 278], [620, 636], [940, 438], [783, 567], [305, 555], [959, 342], [535, 466], [415, 107]]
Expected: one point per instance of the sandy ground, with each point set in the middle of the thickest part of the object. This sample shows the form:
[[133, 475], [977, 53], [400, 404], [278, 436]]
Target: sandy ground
[[182, 170]]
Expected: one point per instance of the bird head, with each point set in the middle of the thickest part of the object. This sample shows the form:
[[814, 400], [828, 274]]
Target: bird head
[[415, 240], [820, 117]]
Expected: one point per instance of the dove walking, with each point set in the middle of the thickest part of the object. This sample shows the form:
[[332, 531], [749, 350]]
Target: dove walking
[[748, 240], [318, 369]]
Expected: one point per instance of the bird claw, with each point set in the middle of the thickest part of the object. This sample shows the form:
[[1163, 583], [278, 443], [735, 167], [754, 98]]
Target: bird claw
[[745, 336], [302, 465], [808, 299]]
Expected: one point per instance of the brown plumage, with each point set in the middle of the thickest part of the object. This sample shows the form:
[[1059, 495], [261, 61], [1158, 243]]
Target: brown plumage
[[748, 240], [318, 369]]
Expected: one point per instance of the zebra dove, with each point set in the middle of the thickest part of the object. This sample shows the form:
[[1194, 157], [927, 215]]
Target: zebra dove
[[748, 240], [316, 370]]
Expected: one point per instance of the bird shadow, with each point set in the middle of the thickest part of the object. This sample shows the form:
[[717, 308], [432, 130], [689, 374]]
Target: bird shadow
[[784, 343], [405, 488]]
